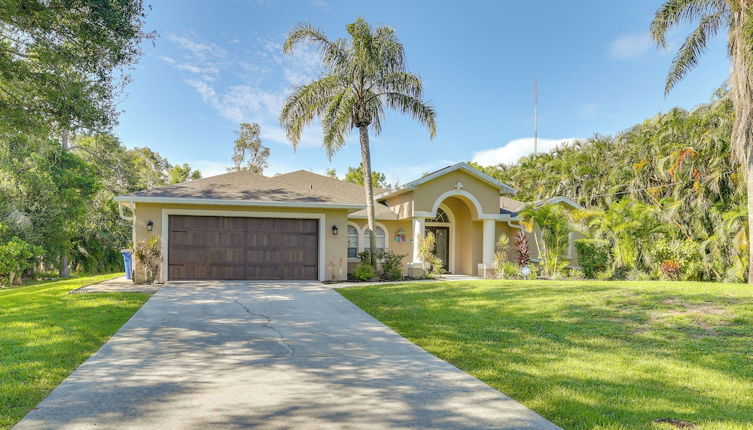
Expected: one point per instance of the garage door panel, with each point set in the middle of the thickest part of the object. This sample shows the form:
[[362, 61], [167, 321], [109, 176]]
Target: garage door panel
[[242, 248]]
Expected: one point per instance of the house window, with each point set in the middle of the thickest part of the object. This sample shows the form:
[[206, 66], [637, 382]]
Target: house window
[[380, 240], [352, 242], [441, 216]]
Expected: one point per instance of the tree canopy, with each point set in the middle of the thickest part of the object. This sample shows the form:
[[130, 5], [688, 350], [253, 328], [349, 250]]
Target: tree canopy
[[355, 176], [669, 178], [248, 151], [63, 62]]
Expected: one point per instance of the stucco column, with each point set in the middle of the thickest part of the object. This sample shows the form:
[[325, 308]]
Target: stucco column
[[418, 234], [486, 268], [490, 226]]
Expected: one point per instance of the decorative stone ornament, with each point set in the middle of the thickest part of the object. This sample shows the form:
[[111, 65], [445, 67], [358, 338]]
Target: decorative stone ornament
[[459, 186]]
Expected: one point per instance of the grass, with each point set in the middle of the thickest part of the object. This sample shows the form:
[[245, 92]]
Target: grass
[[45, 333], [589, 355]]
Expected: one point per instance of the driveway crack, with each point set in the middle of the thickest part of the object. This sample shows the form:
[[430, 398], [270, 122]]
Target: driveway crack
[[268, 324]]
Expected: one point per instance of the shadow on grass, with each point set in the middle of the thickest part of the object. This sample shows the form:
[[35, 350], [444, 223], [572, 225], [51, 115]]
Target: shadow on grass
[[46, 333], [589, 355], [290, 356]]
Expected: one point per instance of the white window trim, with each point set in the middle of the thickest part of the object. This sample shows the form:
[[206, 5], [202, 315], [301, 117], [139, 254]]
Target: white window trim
[[359, 248], [242, 214], [362, 243]]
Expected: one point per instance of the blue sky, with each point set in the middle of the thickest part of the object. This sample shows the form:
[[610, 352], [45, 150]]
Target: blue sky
[[218, 63]]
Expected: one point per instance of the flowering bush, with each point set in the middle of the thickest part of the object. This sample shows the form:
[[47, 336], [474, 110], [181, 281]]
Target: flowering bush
[[670, 269]]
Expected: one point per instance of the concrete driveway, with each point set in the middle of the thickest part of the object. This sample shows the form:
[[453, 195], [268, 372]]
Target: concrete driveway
[[268, 355]]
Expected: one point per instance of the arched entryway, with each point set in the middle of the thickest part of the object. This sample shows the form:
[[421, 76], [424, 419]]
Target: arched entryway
[[459, 230], [442, 226]]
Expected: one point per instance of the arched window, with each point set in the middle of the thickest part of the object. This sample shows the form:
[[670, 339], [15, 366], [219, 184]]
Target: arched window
[[380, 240], [352, 242], [441, 216]]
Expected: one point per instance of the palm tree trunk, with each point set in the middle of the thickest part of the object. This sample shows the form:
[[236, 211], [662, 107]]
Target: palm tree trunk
[[741, 79], [749, 181], [64, 140], [367, 184], [65, 270]]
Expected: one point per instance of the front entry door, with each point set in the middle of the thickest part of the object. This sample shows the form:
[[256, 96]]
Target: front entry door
[[442, 248]]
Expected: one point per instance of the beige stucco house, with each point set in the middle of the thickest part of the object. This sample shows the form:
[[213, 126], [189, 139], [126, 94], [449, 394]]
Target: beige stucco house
[[302, 225]]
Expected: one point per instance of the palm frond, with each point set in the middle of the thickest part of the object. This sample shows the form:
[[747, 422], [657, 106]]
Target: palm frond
[[674, 12], [415, 107], [305, 103], [337, 121], [694, 45], [402, 82], [334, 53]]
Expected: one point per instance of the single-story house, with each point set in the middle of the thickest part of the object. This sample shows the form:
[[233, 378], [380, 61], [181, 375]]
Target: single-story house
[[305, 226]]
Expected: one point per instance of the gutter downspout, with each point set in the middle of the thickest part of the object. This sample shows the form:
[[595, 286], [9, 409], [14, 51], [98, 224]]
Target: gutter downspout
[[129, 218]]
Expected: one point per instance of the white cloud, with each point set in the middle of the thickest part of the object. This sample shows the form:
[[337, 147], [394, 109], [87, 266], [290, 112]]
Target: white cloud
[[197, 48], [631, 46], [517, 148], [197, 69], [241, 91], [321, 4]]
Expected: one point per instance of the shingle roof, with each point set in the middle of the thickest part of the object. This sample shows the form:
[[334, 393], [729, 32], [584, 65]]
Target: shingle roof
[[512, 207], [295, 187]]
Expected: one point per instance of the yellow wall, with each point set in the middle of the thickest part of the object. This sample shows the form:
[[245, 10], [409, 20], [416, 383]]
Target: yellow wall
[[335, 252], [403, 248], [402, 204], [427, 193]]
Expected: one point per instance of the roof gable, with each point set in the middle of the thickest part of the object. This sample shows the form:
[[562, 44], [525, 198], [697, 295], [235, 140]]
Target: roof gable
[[465, 167]]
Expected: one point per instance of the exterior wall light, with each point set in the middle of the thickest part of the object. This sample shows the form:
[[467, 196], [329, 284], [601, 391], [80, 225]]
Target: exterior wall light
[[149, 226], [334, 230]]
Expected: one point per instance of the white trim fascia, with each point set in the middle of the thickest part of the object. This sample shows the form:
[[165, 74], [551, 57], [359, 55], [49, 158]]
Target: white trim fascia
[[518, 226], [496, 217], [504, 188], [560, 199], [166, 212], [122, 215], [225, 202], [376, 219]]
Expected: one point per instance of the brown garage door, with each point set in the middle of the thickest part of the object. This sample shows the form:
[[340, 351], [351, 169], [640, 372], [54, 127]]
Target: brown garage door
[[208, 247]]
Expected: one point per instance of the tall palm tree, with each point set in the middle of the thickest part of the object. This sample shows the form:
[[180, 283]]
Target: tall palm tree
[[363, 75], [713, 16]]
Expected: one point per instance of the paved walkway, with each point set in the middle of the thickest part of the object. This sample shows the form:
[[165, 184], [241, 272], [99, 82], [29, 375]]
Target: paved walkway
[[269, 356], [117, 285]]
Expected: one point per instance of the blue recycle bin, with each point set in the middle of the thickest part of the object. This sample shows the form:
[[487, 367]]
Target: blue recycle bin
[[128, 262]]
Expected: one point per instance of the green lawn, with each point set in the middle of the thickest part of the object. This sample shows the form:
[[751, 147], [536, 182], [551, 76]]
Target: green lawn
[[589, 355], [46, 333]]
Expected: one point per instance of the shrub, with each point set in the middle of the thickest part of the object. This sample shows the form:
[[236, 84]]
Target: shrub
[[426, 247], [534, 272], [148, 253], [508, 270], [593, 256], [365, 256], [685, 254], [670, 269], [521, 247], [436, 267], [16, 256], [364, 272], [574, 274], [638, 275], [392, 266]]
